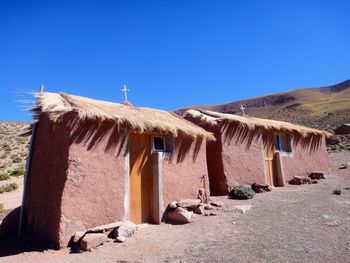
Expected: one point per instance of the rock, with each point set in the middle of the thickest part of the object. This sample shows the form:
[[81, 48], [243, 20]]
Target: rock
[[127, 229], [179, 216], [261, 188], [298, 180], [344, 165], [172, 204], [217, 203], [313, 181], [208, 207], [92, 240], [202, 195], [77, 236], [213, 213], [121, 239], [241, 208], [210, 213], [106, 229], [199, 210], [317, 175], [189, 203]]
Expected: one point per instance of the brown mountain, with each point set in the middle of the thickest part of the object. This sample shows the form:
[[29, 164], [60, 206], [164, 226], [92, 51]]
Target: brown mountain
[[324, 108]]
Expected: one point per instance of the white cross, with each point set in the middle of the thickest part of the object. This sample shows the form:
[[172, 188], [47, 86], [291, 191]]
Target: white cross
[[125, 91], [242, 109]]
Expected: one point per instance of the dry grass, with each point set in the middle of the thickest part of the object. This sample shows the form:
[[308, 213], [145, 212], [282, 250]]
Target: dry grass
[[252, 123], [8, 188], [141, 120], [13, 147]]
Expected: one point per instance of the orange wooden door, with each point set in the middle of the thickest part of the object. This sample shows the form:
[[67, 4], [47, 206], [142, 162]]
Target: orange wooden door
[[140, 178], [269, 152]]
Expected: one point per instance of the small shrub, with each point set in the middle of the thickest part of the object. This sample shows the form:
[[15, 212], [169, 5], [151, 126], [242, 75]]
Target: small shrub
[[337, 192], [15, 158], [3, 156], [4, 177], [6, 147], [347, 188], [21, 140], [17, 172], [8, 188], [242, 192], [1, 207]]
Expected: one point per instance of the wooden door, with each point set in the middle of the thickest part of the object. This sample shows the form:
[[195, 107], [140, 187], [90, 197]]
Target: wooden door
[[141, 182], [269, 152]]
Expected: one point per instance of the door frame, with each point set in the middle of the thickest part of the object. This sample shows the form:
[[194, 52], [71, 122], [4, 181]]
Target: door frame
[[157, 207], [273, 168]]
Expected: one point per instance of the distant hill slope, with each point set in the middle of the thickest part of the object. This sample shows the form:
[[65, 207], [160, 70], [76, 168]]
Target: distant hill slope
[[323, 108], [13, 148]]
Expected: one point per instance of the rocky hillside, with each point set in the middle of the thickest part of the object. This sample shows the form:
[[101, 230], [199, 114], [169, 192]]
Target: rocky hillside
[[13, 149], [323, 108]]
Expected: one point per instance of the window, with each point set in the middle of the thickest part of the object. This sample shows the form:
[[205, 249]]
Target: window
[[159, 144], [283, 143]]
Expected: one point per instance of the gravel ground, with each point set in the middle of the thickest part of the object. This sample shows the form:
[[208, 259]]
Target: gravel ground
[[290, 224]]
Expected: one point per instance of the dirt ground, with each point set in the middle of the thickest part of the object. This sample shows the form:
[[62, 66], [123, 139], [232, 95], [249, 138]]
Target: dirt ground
[[12, 199], [291, 224]]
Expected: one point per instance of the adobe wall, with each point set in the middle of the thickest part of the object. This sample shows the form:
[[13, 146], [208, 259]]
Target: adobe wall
[[46, 179], [76, 179], [243, 165], [302, 162], [182, 176], [217, 178], [94, 190]]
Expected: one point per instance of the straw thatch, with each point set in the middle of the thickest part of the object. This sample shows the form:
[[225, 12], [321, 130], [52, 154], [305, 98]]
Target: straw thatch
[[214, 118], [247, 128], [138, 120]]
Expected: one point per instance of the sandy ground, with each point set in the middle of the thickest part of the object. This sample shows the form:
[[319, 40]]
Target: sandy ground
[[290, 224], [12, 199]]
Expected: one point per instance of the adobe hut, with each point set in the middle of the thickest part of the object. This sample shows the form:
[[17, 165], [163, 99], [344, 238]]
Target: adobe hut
[[251, 150], [95, 162], [344, 129]]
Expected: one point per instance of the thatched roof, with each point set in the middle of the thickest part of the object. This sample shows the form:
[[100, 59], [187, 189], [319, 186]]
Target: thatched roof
[[251, 123], [138, 120]]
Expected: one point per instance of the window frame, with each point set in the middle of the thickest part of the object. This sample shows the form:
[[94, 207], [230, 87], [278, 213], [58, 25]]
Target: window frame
[[286, 147], [164, 143]]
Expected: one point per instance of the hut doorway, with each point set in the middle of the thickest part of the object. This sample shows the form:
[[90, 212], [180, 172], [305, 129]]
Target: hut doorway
[[141, 178], [272, 162], [269, 152]]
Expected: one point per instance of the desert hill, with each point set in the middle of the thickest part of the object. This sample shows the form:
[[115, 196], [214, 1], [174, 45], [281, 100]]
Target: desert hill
[[13, 149], [323, 108]]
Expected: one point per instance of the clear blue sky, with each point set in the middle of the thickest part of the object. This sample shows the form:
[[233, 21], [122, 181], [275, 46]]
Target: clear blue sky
[[172, 53]]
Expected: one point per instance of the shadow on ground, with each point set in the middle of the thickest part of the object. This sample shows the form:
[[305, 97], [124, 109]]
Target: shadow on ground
[[12, 244]]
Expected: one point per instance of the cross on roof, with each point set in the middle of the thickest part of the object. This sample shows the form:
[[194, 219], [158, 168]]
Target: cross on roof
[[242, 109], [125, 91]]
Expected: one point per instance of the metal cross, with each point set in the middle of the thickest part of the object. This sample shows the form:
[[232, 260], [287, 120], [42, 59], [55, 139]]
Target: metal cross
[[125, 91], [242, 109]]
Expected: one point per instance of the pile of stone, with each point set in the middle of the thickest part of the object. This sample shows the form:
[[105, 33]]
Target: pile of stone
[[185, 211], [311, 179], [261, 188], [94, 237]]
